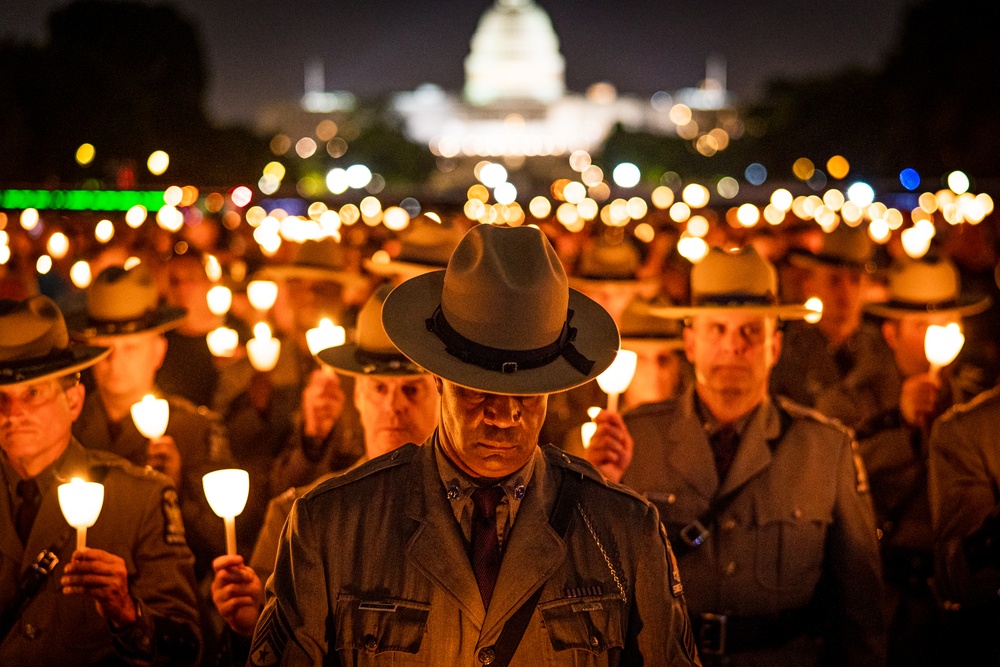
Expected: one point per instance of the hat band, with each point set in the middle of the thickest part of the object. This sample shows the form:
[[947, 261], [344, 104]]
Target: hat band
[[96, 327], [509, 361], [735, 299], [896, 304], [381, 363], [26, 368]]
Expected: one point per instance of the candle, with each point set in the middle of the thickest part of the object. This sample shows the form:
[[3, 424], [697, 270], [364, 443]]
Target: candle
[[587, 432], [227, 491], [220, 300], [222, 342], [815, 307], [941, 345], [615, 380], [151, 415], [81, 504], [263, 349], [325, 335], [262, 294]]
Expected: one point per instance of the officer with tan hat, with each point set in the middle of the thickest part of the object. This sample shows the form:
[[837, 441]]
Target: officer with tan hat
[[481, 547], [123, 313], [765, 501], [128, 597], [842, 345], [398, 403]]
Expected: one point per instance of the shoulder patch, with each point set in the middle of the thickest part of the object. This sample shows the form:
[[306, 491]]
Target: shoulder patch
[[393, 459], [173, 523], [270, 638]]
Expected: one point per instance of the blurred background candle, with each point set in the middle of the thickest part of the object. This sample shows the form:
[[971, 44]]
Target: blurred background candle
[[220, 300], [617, 377], [223, 341], [263, 349], [262, 294], [81, 504], [151, 415], [227, 492], [941, 345], [327, 334], [587, 432]]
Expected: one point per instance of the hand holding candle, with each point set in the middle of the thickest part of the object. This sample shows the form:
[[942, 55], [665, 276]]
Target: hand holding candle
[[615, 380], [81, 504], [227, 492], [151, 415], [941, 345]]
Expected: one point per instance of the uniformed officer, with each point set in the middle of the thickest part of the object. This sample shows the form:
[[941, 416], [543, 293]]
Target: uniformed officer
[[124, 315], [765, 501], [128, 598], [842, 347], [964, 491], [398, 403], [458, 552]]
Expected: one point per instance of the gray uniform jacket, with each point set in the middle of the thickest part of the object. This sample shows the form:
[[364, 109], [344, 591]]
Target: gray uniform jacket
[[801, 515], [140, 523], [373, 570], [964, 489]]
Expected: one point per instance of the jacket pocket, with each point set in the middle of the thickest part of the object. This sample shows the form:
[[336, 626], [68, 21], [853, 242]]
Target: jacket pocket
[[790, 545], [378, 626], [592, 625]]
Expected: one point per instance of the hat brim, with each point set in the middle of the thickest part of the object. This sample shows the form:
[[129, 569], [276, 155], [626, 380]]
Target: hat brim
[[408, 307], [965, 306], [781, 311], [807, 260], [291, 272], [345, 359], [82, 357], [82, 327]]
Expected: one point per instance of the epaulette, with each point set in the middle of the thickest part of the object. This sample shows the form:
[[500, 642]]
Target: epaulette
[[395, 458], [975, 402], [557, 457], [799, 411], [101, 462]]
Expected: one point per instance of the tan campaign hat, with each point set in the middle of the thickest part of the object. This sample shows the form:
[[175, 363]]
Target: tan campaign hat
[[923, 286], [322, 259], [426, 246], [371, 352], [639, 325], [845, 246], [502, 318], [35, 345], [123, 302], [602, 263], [737, 280]]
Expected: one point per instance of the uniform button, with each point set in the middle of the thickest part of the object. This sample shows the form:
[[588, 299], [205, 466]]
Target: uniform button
[[730, 568], [728, 523], [671, 498], [370, 642], [519, 491], [29, 631], [594, 641], [797, 513], [486, 655]]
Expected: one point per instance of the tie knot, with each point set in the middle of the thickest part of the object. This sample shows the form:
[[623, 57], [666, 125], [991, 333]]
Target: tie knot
[[487, 499], [27, 489]]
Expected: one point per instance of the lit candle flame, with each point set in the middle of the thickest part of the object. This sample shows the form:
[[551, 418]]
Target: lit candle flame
[[327, 334], [81, 504], [615, 380]]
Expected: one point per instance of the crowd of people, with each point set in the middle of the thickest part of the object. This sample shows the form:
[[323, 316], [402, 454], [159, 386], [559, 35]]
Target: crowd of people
[[825, 494]]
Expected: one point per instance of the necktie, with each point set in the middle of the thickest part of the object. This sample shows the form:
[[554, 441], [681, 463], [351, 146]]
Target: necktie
[[485, 545], [725, 442], [27, 491]]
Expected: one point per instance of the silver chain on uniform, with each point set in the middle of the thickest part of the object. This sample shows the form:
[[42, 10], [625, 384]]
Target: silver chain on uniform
[[607, 559]]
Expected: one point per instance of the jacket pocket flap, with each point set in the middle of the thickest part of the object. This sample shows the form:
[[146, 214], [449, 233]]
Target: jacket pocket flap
[[592, 623], [377, 625]]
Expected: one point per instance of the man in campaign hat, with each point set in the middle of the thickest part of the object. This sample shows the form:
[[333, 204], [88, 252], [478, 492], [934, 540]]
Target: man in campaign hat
[[481, 547], [123, 313], [128, 598], [765, 501]]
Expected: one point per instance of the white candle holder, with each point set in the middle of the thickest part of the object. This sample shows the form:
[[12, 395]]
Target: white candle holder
[[227, 491], [941, 345], [220, 300], [616, 379], [223, 341], [151, 415], [81, 504], [262, 294], [263, 349], [327, 334], [587, 431]]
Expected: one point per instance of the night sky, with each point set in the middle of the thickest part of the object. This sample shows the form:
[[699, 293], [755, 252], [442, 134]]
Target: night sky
[[256, 49]]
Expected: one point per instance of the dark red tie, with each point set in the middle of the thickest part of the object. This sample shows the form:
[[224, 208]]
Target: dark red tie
[[725, 442], [485, 544], [27, 490]]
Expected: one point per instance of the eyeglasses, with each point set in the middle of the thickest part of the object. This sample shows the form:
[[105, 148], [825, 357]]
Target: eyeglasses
[[35, 395]]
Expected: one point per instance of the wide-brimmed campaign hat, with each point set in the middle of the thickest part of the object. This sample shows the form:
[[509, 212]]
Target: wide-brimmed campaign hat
[[35, 345], [737, 280], [846, 246], [426, 246], [640, 326], [502, 318], [322, 259], [123, 302], [603, 263], [925, 286], [371, 352]]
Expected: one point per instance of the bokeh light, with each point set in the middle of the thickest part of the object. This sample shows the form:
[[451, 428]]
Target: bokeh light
[[158, 162], [626, 175]]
